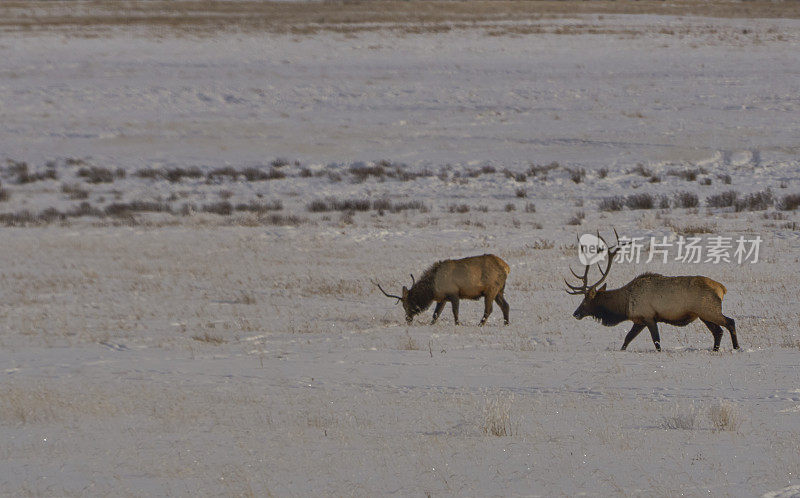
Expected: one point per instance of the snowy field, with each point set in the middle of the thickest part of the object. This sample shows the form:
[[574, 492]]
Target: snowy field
[[191, 223]]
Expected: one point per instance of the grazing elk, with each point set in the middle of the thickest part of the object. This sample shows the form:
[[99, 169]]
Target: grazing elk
[[454, 279], [651, 298]]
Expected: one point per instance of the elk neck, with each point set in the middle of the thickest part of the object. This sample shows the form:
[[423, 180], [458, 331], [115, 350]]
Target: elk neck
[[421, 295], [610, 307]]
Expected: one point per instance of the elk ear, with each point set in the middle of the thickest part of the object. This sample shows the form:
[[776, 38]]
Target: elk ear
[[405, 293], [602, 289]]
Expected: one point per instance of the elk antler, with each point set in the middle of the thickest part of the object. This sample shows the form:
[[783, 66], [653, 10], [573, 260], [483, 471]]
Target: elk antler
[[573, 292], [578, 289], [612, 253], [585, 287], [386, 293], [413, 282]]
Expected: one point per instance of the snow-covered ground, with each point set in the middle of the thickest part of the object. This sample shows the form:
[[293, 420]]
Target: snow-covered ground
[[446, 98], [184, 352]]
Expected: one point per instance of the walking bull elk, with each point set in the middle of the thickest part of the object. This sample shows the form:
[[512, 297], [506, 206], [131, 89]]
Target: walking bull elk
[[454, 279], [651, 298]]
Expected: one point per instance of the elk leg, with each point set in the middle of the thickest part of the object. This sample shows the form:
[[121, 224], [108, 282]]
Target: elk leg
[[501, 301], [454, 304], [653, 327], [637, 327], [437, 311], [716, 331], [487, 309], [730, 324]]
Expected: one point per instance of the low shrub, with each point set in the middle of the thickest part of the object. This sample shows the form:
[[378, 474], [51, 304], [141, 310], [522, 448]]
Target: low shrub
[[260, 207], [640, 201], [458, 208], [686, 200], [788, 202], [222, 208], [723, 200], [615, 203], [98, 174], [757, 201]]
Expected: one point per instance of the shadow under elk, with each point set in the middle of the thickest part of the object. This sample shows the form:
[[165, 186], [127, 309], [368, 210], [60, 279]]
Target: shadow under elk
[[455, 279], [650, 299]]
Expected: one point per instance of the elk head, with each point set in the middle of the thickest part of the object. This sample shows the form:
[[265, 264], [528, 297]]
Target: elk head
[[590, 292], [408, 307]]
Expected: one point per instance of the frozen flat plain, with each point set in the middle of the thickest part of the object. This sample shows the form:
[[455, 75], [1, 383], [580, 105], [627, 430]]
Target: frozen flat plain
[[184, 352]]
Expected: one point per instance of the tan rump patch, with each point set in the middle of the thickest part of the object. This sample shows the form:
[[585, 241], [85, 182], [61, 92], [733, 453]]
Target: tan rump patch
[[719, 289], [505, 266]]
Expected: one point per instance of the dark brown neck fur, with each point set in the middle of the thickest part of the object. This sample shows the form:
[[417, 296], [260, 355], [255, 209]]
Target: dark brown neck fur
[[420, 296], [610, 307]]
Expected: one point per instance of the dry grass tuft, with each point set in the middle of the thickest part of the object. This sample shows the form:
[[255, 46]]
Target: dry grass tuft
[[680, 419], [541, 244], [497, 416], [24, 405], [409, 344], [691, 229], [689, 175], [173, 175], [259, 207], [615, 203], [577, 218], [74, 191], [209, 338], [99, 174], [724, 416], [336, 287], [790, 342], [245, 298], [540, 171], [576, 174]]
